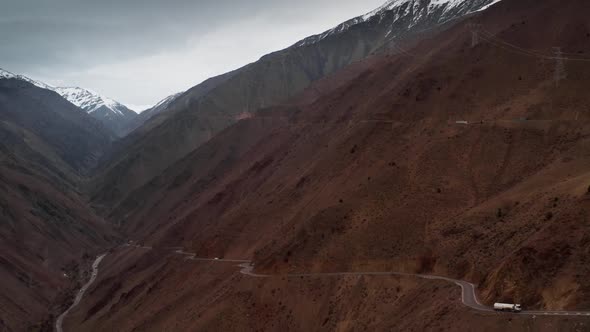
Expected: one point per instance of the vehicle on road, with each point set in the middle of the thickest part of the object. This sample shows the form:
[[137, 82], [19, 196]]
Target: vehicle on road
[[510, 307], [216, 258]]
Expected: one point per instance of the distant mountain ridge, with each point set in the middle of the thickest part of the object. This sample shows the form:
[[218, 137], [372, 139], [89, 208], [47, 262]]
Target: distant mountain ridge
[[114, 115], [147, 114], [77, 138], [4, 74]]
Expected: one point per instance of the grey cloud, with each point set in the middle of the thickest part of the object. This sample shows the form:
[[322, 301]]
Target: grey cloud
[[61, 39]]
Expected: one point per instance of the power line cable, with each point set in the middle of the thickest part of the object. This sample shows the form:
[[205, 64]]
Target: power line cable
[[495, 40], [492, 35]]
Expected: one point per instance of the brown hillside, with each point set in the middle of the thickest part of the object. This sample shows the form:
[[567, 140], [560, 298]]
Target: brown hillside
[[205, 110], [47, 231], [377, 175]]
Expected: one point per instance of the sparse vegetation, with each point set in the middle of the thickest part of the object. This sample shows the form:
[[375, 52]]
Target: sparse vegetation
[[549, 215]]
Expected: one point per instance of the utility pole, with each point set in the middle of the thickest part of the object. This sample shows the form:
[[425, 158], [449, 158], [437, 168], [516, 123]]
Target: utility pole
[[560, 73]]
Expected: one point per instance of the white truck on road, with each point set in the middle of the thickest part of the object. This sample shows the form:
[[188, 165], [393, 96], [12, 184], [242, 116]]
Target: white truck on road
[[507, 307]]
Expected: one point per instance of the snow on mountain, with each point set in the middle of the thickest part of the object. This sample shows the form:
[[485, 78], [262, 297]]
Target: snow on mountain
[[111, 113], [4, 74], [165, 102], [413, 10], [160, 107], [90, 101], [85, 99]]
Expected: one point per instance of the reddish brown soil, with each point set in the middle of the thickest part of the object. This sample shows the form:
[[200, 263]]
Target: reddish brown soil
[[500, 202]]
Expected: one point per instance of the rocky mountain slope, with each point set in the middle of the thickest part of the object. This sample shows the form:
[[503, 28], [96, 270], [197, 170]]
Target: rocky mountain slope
[[46, 146], [454, 159], [206, 109]]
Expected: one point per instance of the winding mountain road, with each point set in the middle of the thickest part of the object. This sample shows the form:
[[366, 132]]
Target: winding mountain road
[[468, 290], [80, 295], [468, 293]]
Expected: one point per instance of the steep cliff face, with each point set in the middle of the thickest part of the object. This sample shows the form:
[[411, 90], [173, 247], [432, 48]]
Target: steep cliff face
[[203, 111]]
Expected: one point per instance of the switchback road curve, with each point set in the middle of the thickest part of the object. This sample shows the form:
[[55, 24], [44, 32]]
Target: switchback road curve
[[468, 290]]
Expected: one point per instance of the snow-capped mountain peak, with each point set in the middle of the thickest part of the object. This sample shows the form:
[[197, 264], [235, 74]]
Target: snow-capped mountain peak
[[164, 102], [112, 114], [4, 74], [88, 100], [411, 12], [428, 5]]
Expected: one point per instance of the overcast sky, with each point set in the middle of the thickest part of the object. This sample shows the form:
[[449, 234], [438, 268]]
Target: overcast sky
[[140, 51]]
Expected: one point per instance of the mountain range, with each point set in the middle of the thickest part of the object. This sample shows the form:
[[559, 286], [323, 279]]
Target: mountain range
[[452, 158], [114, 115], [428, 137], [206, 109]]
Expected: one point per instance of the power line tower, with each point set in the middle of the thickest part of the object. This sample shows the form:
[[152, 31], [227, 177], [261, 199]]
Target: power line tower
[[475, 30], [559, 73]]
